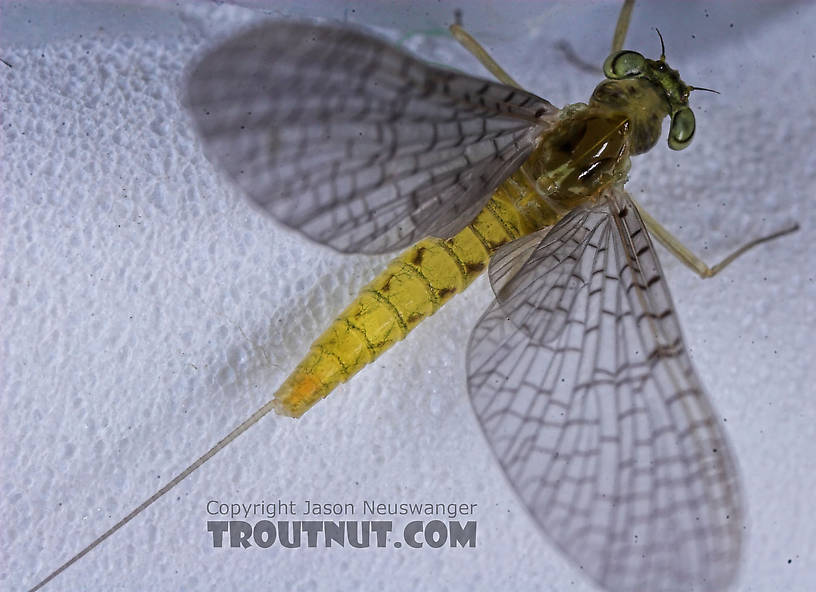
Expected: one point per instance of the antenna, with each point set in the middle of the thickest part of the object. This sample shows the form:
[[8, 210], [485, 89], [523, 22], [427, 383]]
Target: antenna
[[662, 46], [705, 89]]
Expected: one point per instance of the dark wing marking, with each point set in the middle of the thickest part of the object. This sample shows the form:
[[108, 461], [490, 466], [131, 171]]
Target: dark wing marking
[[354, 142], [582, 385]]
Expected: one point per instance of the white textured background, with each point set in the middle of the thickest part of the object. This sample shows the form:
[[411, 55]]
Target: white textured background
[[146, 309]]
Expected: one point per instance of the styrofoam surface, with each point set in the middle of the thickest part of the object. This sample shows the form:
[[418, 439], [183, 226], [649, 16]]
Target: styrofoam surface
[[147, 308]]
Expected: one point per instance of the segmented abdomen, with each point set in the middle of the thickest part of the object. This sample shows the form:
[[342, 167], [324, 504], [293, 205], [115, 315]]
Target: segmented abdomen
[[414, 286]]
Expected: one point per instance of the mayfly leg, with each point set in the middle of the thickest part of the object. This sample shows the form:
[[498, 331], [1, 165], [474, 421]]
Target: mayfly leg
[[618, 39], [474, 47], [480, 53], [622, 26], [692, 261]]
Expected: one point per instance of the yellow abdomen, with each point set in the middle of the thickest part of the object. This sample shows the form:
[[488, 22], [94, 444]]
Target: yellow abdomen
[[581, 155], [413, 286]]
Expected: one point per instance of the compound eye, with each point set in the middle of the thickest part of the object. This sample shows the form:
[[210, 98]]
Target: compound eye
[[624, 64], [682, 128]]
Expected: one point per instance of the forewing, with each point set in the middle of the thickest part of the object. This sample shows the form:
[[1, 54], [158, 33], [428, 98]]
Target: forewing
[[354, 142], [539, 300], [599, 420]]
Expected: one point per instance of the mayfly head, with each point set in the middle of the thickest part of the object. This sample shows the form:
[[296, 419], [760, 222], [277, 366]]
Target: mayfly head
[[647, 90]]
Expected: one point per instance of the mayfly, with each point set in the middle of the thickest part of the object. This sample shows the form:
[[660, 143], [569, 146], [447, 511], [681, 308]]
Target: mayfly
[[577, 371]]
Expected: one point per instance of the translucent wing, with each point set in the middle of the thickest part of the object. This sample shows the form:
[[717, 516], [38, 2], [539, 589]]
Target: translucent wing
[[354, 142], [581, 382]]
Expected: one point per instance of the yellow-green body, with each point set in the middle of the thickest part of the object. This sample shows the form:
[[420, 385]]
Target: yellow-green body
[[585, 152], [413, 287]]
